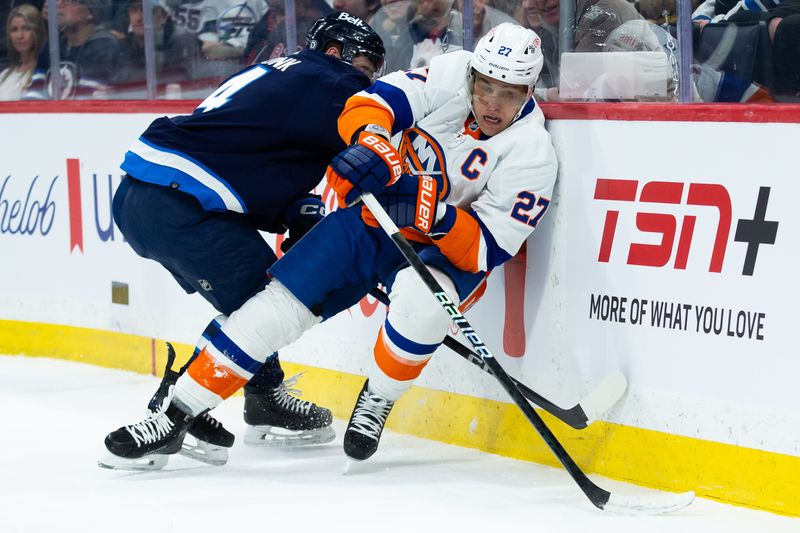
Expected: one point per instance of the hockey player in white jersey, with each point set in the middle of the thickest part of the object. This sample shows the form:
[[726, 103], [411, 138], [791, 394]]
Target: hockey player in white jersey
[[468, 175]]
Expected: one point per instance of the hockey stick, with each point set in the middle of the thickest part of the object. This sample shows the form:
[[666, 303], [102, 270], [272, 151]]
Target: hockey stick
[[602, 499], [579, 416]]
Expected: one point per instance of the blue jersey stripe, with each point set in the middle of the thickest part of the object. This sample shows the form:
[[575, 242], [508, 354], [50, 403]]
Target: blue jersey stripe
[[527, 109], [146, 171], [495, 255], [398, 101], [405, 344], [210, 172], [230, 350]]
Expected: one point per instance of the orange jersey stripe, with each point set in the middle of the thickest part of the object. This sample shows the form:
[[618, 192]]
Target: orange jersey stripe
[[462, 243], [474, 296], [393, 365], [217, 378], [360, 111]]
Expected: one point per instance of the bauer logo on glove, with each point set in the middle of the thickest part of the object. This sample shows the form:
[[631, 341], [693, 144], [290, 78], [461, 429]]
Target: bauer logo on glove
[[426, 204], [369, 165], [410, 202], [386, 151]]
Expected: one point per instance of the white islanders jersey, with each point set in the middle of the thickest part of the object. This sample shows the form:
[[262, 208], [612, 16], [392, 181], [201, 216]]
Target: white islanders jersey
[[506, 180]]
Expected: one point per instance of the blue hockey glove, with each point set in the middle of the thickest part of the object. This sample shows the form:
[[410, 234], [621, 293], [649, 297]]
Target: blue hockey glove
[[301, 216], [367, 166], [410, 202]]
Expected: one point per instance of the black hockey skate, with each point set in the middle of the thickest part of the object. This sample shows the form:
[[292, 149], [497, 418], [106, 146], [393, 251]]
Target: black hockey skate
[[278, 418], [146, 445], [210, 440], [366, 424]]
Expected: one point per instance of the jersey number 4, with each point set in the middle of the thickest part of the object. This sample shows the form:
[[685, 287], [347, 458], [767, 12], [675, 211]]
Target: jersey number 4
[[527, 202], [224, 92]]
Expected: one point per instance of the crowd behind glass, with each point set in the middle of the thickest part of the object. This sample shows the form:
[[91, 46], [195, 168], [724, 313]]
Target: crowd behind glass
[[595, 50]]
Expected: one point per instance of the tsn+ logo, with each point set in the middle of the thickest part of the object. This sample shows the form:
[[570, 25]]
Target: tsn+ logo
[[677, 231]]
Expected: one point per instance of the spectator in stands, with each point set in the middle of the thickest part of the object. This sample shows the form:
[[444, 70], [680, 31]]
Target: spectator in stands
[[210, 36], [783, 23], [732, 10], [133, 40], [784, 32], [485, 17], [391, 23], [90, 55], [25, 37], [708, 83], [225, 33], [437, 28], [509, 7], [5, 9], [268, 38], [170, 57], [528, 15], [119, 22], [594, 20], [363, 9], [661, 12]]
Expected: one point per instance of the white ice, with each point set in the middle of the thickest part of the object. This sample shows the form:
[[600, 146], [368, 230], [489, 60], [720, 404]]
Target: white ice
[[57, 414]]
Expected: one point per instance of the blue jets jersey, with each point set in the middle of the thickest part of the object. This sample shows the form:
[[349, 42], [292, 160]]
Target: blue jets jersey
[[263, 138]]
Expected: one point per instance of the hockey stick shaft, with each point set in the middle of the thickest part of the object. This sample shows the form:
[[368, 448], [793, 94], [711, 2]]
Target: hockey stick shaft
[[574, 417], [598, 496]]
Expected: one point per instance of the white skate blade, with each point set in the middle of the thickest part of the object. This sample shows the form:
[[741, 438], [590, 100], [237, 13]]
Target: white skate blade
[[274, 437], [142, 464], [205, 452], [646, 505]]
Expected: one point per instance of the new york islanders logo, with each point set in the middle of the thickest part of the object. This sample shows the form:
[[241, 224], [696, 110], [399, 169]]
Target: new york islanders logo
[[423, 155]]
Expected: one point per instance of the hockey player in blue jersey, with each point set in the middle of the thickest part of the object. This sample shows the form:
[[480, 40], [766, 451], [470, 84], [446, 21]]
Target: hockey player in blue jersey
[[200, 187], [470, 178]]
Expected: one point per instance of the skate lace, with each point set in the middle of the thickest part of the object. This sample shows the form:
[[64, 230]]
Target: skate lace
[[287, 396], [150, 429], [370, 415]]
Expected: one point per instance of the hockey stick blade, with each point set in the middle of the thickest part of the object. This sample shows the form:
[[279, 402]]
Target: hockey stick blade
[[599, 497], [579, 416], [650, 504], [604, 396]]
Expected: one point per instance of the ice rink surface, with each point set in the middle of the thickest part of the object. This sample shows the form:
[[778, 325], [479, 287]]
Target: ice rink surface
[[57, 414]]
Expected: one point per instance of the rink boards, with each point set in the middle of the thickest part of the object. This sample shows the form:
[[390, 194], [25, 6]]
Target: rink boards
[[668, 253]]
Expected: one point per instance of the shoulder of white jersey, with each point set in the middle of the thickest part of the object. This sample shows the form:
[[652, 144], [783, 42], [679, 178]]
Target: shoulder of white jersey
[[449, 70]]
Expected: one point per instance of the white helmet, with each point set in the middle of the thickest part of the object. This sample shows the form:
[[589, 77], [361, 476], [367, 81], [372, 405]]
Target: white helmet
[[509, 53]]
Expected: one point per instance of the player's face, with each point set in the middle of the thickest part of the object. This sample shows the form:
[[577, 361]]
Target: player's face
[[496, 103], [364, 65], [21, 35]]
